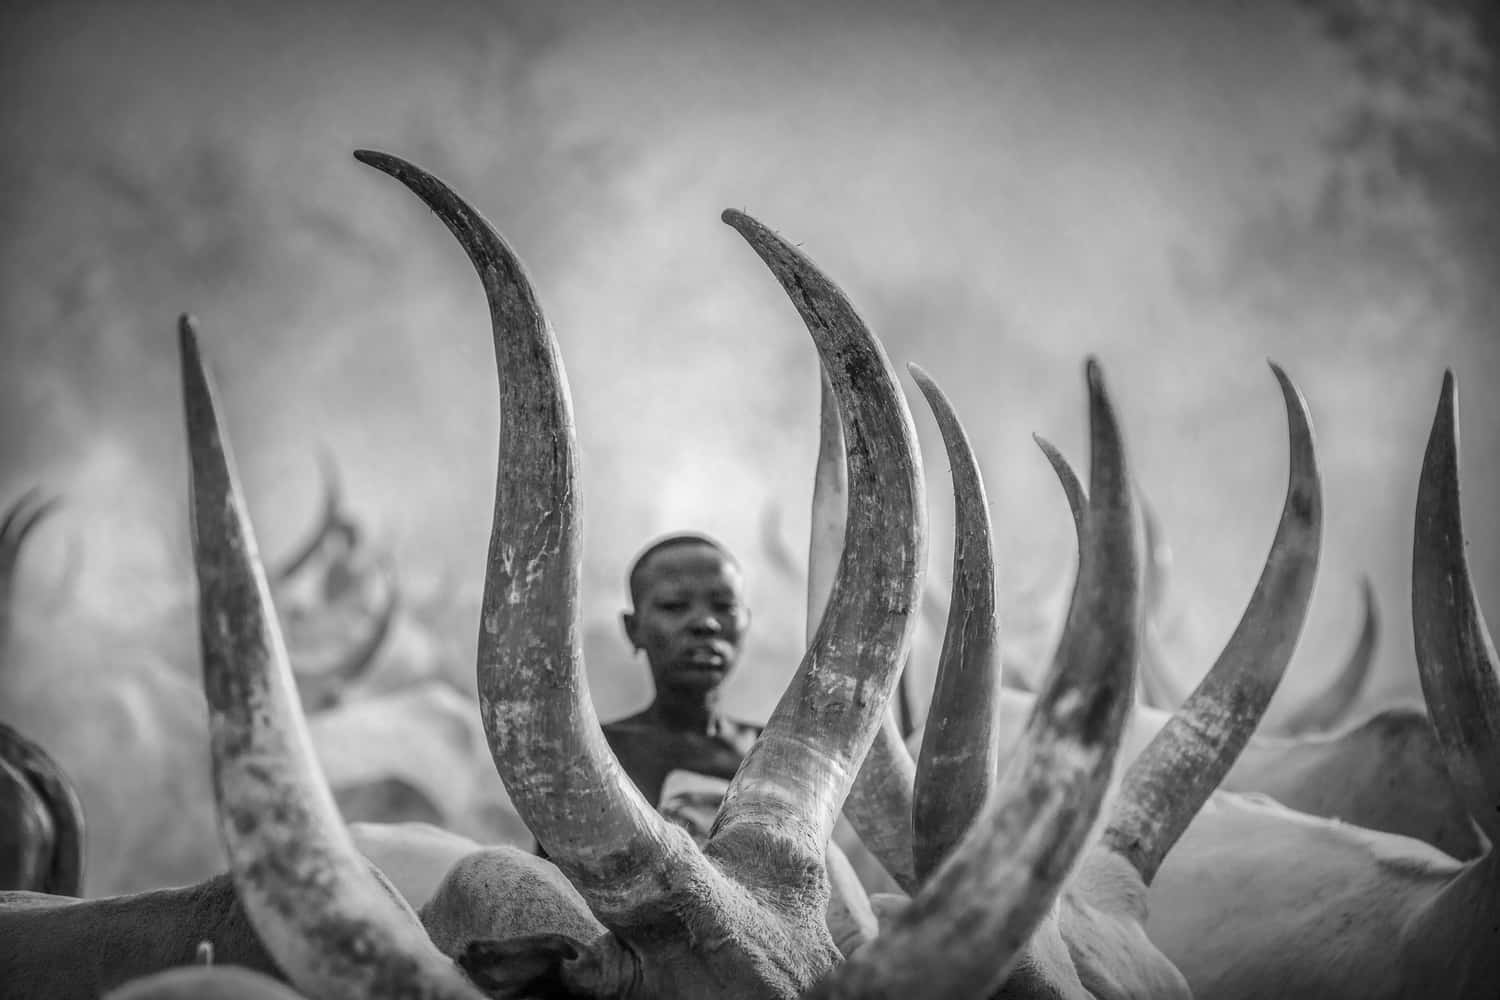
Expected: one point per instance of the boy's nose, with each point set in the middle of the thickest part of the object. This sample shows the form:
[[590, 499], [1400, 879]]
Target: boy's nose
[[706, 625]]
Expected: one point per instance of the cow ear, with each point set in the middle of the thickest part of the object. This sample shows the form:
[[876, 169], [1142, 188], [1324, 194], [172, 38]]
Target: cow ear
[[524, 967]]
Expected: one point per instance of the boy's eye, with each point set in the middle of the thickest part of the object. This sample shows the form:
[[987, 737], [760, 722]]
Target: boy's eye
[[672, 605]]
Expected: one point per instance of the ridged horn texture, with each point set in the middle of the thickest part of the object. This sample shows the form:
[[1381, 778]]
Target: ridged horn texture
[[544, 736], [793, 782], [333, 502], [879, 805], [1455, 654], [966, 927], [1333, 706], [312, 899], [1172, 778], [960, 752]]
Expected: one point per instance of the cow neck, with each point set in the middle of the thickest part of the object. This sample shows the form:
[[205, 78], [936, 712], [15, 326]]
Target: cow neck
[[1452, 937]]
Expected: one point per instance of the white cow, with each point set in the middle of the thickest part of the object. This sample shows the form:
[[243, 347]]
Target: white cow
[[1260, 901]]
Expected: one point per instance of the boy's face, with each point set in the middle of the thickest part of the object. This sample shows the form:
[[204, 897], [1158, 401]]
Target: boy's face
[[690, 616]]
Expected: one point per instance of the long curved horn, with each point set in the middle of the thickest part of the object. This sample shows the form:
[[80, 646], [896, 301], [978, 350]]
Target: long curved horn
[[1172, 778], [1078, 501], [316, 905], [1159, 687], [64, 875], [879, 805], [1455, 654], [1333, 706], [966, 927], [332, 517], [960, 753], [544, 736], [324, 687], [829, 506], [905, 721], [65, 587], [357, 661], [825, 546], [23, 516], [794, 780]]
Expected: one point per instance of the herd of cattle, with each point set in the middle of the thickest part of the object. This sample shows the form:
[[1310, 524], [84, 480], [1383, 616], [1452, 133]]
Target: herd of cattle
[[1071, 842]]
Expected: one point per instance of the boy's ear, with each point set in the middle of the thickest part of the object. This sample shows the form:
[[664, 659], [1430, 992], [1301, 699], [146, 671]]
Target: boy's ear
[[627, 619]]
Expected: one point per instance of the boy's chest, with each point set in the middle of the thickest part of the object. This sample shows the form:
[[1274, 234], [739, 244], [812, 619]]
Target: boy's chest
[[649, 761]]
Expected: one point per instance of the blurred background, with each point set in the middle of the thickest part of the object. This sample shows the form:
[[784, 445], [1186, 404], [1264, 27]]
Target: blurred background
[[1003, 189]]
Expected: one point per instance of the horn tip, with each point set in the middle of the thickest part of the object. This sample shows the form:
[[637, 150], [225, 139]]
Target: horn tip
[[384, 162], [924, 381], [1098, 392], [1445, 421], [187, 343], [739, 221], [187, 331], [1288, 387], [1094, 375]]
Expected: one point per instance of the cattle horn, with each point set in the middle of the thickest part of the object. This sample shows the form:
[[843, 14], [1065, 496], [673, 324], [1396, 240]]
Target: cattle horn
[[1333, 706], [968, 924], [23, 516], [544, 736], [794, 780], [960, 752], [316, 905], [1455, 654], [332, 517], [879, 806], [1169, 782]]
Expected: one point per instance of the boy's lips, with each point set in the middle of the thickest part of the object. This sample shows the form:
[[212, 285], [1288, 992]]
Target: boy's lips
[[705, 656]]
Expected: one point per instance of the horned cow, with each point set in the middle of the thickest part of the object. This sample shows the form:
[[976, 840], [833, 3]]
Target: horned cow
[[1095, 942], [41, 816], [1259, 900], [745, 914]]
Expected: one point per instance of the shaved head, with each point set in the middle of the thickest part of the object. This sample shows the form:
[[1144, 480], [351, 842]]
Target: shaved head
[[637, 577]]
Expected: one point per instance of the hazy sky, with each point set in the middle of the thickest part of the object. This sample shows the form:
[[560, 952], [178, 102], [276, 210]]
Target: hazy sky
[[1002, 189]]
